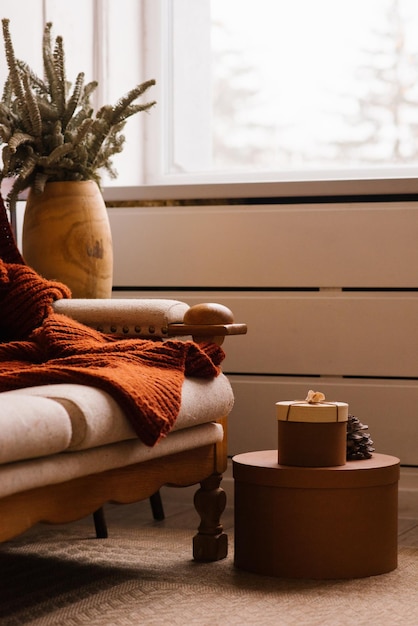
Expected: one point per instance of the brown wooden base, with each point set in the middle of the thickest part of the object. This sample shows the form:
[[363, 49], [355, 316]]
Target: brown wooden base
[[72, 500], [334, 522]]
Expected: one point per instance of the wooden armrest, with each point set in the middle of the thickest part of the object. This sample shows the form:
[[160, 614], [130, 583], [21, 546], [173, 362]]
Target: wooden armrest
[[133, 317], [200, 330], [207, 322], [156, 318]]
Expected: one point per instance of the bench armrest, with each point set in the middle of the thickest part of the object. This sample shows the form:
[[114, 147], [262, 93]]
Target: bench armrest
[[152, 318]]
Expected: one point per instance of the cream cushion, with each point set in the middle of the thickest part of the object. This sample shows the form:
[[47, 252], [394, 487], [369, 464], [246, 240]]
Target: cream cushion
[[96, 419], [31, 427], [57, 468]]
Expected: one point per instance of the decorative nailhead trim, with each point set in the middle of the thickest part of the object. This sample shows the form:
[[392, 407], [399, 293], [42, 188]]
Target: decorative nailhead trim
[[126, 330]]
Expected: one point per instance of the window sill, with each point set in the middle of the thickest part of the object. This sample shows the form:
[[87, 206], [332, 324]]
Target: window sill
[[327, 188]]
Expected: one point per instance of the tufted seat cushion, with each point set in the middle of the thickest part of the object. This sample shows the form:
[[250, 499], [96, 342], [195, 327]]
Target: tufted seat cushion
[[32, 427], [94, 419]]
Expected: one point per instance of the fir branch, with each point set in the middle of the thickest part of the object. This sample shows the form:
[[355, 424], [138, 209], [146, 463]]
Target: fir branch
[[74, 100], [39, 182], [48, 111], [18, 139], [132, 109], [59, 67], [37, 83], [100, 129], [82, 131], [56, 155], [47, 54], [22, 180], [108, 166], [113, 145], [79, 117], [7, 92], [28, 166], [87, 93], [33, 109], [127, 99], [46, 137], [5, 133], [49, 67], [14, 74]]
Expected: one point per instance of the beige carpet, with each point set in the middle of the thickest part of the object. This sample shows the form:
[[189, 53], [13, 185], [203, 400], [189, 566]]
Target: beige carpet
[[64, 576]]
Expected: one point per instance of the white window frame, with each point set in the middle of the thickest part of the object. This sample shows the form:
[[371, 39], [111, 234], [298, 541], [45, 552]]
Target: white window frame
[[160, 150], [159, 153]]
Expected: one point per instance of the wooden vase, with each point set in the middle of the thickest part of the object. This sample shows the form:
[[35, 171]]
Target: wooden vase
[[66, 237]]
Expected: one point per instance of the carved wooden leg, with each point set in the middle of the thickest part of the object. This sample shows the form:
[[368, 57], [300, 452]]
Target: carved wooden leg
[[210, 543]]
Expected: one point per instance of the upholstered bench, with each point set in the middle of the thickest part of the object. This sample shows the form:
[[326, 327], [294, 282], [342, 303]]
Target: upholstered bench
[[68, 448]]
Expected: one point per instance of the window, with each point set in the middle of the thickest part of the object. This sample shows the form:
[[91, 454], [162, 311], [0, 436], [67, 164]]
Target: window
[[246, 90], [285, 89], [103, 39]]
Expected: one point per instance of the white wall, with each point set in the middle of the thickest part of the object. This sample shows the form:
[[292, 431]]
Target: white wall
[[329, 293]]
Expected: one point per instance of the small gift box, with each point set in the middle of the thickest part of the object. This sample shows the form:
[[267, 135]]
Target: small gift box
[[312, 432]]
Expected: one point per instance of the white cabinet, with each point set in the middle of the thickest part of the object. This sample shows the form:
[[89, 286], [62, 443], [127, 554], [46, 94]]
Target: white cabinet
[[329, 292]]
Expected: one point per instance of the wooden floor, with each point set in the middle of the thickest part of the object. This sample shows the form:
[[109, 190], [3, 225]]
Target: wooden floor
[[180, 512]]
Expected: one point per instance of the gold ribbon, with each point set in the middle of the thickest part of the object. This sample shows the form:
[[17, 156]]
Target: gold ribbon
[[319, 399]]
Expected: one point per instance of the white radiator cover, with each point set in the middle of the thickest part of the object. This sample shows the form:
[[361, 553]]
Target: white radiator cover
[[329, 292]]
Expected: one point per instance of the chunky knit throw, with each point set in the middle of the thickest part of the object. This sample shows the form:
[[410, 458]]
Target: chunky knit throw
[[39, 347]]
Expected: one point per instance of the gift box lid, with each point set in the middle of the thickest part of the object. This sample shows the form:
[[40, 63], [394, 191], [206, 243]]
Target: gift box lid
[[261, 468], [312, 411]]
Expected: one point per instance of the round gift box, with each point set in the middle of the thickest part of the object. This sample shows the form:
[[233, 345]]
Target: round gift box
[[312, 434], [315, 522]]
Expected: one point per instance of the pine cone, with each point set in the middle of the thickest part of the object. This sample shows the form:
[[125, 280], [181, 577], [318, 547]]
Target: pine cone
[[359, 444]]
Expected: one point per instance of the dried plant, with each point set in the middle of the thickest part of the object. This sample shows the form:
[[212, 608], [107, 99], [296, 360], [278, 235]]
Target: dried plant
[[49, 129]]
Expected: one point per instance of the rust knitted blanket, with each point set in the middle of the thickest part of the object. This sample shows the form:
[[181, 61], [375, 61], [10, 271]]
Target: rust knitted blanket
[[39, 346]]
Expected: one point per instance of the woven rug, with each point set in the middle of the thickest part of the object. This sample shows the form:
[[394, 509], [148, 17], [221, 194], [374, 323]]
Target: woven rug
[[64, 576]]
